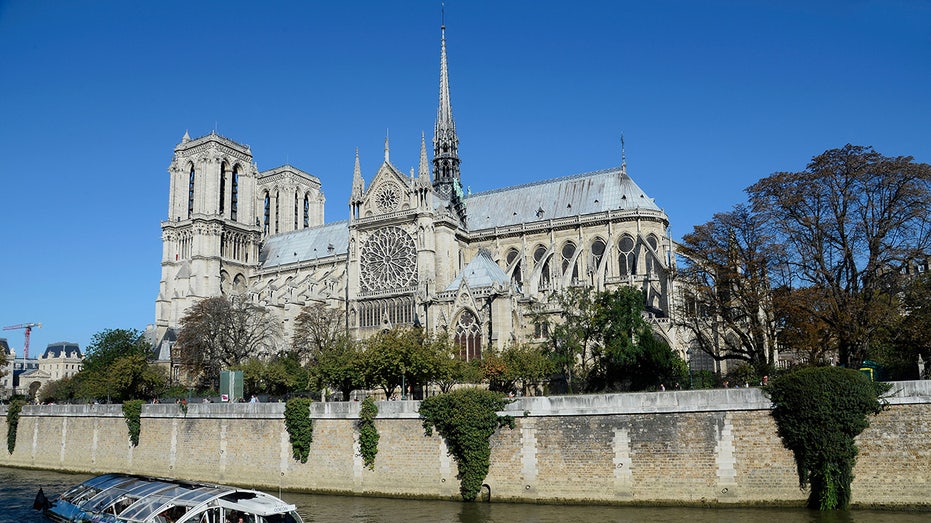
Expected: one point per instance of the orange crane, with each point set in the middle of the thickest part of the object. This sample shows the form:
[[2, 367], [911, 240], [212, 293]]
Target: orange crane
[[28, 327]]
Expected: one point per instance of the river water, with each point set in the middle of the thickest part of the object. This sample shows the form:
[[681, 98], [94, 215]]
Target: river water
[[18, 489]]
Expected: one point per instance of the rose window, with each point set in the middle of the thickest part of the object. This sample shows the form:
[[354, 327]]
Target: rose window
[[388, 197], [389, 260]]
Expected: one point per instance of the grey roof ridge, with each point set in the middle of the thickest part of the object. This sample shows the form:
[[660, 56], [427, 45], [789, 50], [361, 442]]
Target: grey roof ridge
[[548, 180]]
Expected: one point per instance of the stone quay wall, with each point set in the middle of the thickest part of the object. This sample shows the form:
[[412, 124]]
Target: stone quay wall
[[676, 447]]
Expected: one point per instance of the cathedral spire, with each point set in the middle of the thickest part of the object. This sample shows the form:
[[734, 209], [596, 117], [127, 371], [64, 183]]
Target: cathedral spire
[[358, 184], [386, 147], [445, 141], [424, 172], [623, 157]]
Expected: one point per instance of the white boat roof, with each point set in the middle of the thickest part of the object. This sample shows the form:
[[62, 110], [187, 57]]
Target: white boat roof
[[154, 495]]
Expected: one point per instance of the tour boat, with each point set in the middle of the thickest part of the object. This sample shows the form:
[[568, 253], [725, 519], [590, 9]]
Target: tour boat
[[122, 498]]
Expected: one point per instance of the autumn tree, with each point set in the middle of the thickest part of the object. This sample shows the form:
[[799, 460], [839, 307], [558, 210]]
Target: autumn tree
[[851, 217], [218, 333], [728, 307], [517, 363], [802, 331]]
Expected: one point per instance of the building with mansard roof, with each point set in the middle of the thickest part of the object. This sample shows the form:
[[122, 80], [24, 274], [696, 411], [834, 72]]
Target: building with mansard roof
[[415, 249]]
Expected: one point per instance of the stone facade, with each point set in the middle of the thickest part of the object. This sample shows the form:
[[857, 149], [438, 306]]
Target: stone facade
[[60, 360], [416, 248], [695, 447]]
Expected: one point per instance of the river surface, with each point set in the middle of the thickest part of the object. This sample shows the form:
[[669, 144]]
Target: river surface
[[18, 489]]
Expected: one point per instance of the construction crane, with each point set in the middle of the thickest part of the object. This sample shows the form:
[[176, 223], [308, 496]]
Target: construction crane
[[28, 327]]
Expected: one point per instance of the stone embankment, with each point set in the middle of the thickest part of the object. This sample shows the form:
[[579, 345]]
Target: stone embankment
[[676, 447]]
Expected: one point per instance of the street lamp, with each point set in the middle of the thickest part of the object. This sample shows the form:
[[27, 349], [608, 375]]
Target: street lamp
[[403, 384]]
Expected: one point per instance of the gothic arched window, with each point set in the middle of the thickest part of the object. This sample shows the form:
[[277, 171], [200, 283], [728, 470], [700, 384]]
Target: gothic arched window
[[306, 211], [510, 258], [234, 200], [268, 210], [627, 260], [190, 194], [295, 211], [598, 252], [277, 209], [469, 337], [222, 194], [568, 263], [539, 257]]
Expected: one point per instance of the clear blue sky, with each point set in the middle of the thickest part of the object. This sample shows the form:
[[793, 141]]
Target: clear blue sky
[[710, 96]]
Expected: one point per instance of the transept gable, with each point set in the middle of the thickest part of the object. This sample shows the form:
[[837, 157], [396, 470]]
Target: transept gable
[[389, 191]]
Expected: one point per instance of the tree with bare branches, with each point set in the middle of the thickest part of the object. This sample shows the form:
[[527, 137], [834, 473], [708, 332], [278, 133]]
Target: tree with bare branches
[[849, 219], [728, 306], [317, 329], [220, 332]]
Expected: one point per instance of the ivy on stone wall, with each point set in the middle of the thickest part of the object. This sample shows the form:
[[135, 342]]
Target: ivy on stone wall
[[368, 434], [466, 418], [300, 427], [12, 423], [132, 412], [818, 412]]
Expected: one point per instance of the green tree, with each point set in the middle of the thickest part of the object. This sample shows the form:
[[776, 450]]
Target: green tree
[[908, 342], [604, 341], [849, 219], [819, 411], [397, 356], [340, 366], [117, 366], [577, 335], [59, 390], [278, 376], [450, 368]]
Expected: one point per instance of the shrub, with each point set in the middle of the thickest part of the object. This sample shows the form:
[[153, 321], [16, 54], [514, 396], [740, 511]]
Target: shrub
[[368, 434], [12, 422], [818, 412], [300, 427], [132, 412], [466, 418]]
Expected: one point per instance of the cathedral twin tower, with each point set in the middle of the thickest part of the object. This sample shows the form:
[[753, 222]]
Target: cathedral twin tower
[[415, 248]]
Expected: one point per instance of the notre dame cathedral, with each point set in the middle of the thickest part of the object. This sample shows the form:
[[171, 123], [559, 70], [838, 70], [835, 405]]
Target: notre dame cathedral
[[415, 249]]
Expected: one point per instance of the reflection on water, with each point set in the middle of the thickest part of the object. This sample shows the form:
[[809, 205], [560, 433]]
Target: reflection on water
[[18, 489]]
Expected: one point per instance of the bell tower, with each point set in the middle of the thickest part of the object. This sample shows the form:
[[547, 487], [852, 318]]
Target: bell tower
[[210, 241]]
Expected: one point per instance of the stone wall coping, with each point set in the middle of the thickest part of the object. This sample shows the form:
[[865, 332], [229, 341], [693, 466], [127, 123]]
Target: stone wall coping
[[708, 400]]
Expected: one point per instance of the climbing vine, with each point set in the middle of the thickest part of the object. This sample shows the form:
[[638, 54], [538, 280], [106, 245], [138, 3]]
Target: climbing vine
[[12, 423], [132, 411], [818, 412], [466, 418], [368, 434], [300, 427]]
